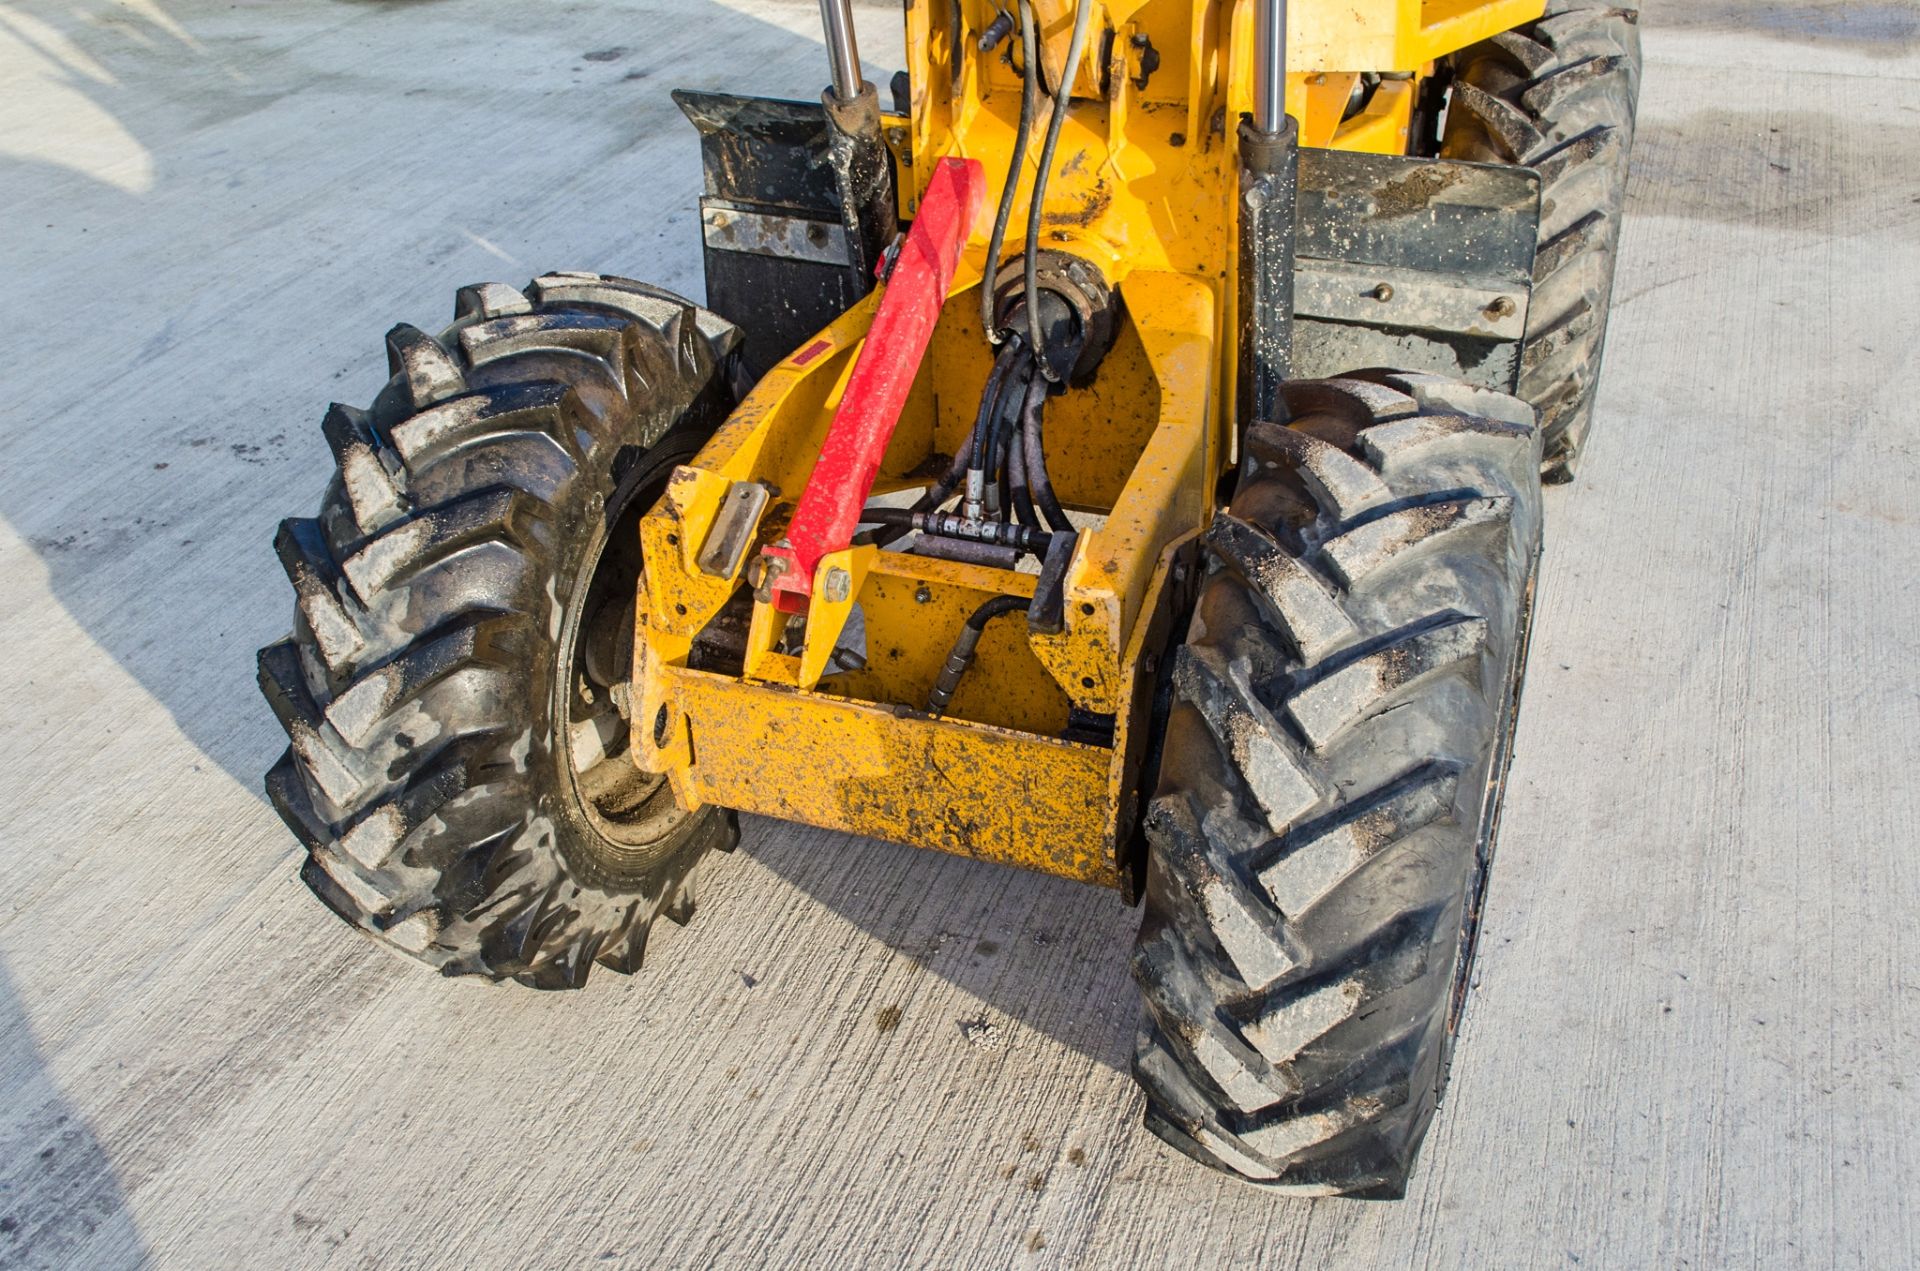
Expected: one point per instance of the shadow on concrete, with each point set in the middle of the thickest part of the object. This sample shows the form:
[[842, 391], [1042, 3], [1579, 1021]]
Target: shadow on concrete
[[69, 190], [59, 1195], [1047, 953]]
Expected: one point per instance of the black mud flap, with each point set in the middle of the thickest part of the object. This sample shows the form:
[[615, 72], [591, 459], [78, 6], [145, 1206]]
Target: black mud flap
[[776, 246], [1415, 264]]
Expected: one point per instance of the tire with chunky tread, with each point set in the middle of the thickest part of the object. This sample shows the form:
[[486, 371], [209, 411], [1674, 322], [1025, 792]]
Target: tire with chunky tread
[[421, 689], [1559, 96], [1331, 776]]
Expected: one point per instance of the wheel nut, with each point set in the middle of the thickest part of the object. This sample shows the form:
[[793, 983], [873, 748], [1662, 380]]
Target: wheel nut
[[839, 585]]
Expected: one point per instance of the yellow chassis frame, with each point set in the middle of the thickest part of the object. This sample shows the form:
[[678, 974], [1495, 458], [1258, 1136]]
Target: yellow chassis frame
[[1144, 186]]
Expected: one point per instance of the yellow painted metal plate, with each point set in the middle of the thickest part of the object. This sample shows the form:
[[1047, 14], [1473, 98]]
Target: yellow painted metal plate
[[990, 793], [1393, 35]]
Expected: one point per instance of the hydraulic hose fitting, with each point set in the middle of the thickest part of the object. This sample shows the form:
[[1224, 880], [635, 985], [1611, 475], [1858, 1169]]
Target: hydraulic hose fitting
[[956, 666], [964, 648], [1079, 311]]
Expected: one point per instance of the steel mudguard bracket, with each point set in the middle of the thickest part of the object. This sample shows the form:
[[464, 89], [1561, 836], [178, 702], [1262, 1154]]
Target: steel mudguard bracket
[[1420, 264], [1417, 264], [774, 239]]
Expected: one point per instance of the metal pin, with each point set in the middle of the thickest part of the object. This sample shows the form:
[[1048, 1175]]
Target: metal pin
[[997, 30], [843, 54]]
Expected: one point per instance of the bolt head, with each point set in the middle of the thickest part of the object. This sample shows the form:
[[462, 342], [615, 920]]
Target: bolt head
[[839, 585], [922, 595], [1383, 292]]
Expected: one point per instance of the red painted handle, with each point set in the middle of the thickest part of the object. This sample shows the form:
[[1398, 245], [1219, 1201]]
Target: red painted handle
[[883, 374]]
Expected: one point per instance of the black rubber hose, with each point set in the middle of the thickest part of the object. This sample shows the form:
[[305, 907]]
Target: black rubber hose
[[1002, 481], [942, 490], [1029, 97], [1023, 512], [963, 650], [1039, 485], [1062, 98], [986, 613], [985, 423], [1006, 426], [1018, 500]]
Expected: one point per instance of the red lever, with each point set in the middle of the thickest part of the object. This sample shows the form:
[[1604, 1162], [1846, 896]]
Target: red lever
[[883, 374]]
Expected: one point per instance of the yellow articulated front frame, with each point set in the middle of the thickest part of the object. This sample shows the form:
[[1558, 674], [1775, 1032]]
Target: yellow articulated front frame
[[823, 719], [796, 735]]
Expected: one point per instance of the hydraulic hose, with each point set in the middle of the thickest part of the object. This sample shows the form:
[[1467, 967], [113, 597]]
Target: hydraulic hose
[[1039, 485], [1006, 428], [986, 430], [947, 525], [1022, 496], [1062, 99], [963, 650], [1029, 97]]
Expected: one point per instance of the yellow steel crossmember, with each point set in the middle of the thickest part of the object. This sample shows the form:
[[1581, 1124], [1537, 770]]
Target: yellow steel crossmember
[[969, 788], [972, 788]]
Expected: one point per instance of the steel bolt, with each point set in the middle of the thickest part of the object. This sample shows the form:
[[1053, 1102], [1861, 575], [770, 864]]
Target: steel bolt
[[1383, 292], [997, 30], [922, 595], [839, 585], [1500, 308]]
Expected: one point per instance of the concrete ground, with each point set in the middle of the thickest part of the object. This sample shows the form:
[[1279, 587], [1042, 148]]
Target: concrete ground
[[1692, 1043]]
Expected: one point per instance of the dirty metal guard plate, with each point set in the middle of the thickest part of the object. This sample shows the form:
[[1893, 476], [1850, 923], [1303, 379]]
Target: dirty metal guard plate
[[1415, 264], [775, 246]]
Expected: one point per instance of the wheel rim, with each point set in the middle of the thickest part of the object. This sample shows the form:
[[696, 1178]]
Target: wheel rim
[[633, 817]]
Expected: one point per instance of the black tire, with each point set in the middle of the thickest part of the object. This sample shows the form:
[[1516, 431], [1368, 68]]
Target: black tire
[[1559, 96], [460, 601], [1331, 778]]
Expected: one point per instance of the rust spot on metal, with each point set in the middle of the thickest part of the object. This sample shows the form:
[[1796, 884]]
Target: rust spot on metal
[[1411, 194], [1097, 201]]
